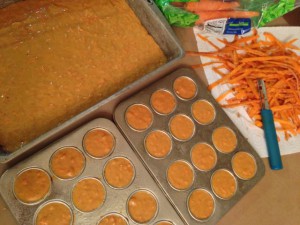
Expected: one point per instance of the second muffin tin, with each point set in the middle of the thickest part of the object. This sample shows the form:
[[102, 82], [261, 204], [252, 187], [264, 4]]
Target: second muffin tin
[[218, 186]]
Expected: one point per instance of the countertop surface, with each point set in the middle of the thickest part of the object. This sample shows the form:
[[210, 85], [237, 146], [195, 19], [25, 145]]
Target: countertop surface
[[275, 200]]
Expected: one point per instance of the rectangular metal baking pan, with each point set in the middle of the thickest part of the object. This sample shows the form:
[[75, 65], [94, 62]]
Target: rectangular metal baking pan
[[159, 29], [115, 200], [181, 149]]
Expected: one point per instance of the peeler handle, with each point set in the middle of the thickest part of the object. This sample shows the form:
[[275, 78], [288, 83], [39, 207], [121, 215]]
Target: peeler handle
[[271, 139]]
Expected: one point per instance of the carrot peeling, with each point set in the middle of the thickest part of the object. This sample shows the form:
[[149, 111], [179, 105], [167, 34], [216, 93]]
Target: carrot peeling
[[241, 62]]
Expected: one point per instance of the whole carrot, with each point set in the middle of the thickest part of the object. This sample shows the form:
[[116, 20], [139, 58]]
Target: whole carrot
[[210, 5], [210, 15]]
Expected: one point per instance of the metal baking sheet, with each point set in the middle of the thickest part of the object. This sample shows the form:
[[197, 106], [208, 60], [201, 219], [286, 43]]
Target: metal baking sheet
[[155, 23], [61, 189], [181, 150]]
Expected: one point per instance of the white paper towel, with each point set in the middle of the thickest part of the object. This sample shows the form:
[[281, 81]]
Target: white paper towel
[[239, 115]]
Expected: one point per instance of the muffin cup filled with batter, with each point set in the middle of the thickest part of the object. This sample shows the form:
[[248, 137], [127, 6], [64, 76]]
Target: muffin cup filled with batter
[[163, 102], [158, 144], [185, 88], [88, 194], [119, 172], [32, 185], [98, 143], [223, 184], [142, 206], [203, 112], [224, 139], [201, 204], [164, 222], [113, 219], [182, 127], [244, 165], [139, 117], [53, 212], [203, 156], [180, 175], [67, 163]]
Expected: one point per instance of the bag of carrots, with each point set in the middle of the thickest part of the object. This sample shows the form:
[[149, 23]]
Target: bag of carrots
[[224, 16]]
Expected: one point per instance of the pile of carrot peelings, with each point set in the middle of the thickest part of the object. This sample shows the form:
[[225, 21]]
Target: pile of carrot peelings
[[247, 59]]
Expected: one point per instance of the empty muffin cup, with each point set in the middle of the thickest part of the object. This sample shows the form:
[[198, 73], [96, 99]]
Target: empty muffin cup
[[98, 143], [54, 212], [203, 112], [119, 172], [185, 88], [164, 222], [158, 144], [88, 194], [182, 127], [163, 102], [224, 139], [201, 204], [142, 206], [138, 117], [32, 185], [180, 175], [67, 162], [223, 184], [244, 165], [203, 156], [113, 219]]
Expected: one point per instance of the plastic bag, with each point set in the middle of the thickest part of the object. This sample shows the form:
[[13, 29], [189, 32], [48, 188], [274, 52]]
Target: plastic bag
[[221, 16]]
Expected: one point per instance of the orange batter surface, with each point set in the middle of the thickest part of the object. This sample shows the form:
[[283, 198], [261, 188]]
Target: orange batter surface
[[67, 163], [163, 102], [224, 139], [32, 185], [203, 156], [182, 127], [113, 219], [99, 143], [180, 175], [54, 213], [185, 88], [164, 223], [244, 165], [224, 184], [142, 207], [139, 117], [203, 112], [59, 57], [158, 144], [88, 194], [201, 204], [119, 172]]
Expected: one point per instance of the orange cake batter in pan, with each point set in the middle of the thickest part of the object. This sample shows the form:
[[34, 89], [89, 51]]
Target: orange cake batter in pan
[[164, 223], [142, 206], [158, 144], [54, 213], [88, 194], [119, 172], [32, 185], [67, 163], [113, 219], [180, 175], [99, 143], [139, 117], [59, 57], [244, 165], [201, 204], [163, 102]]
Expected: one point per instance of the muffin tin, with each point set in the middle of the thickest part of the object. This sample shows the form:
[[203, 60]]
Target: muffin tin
[[189, 131], [116, 198]]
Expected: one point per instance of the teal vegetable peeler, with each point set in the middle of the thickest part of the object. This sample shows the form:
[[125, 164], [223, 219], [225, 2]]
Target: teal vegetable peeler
[[269, 129]]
